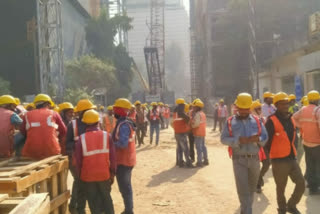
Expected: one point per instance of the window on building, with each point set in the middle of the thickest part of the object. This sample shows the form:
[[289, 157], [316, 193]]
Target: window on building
[[288, 84]]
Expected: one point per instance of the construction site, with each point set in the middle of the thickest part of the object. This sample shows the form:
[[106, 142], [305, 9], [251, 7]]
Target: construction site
[[229, 88]]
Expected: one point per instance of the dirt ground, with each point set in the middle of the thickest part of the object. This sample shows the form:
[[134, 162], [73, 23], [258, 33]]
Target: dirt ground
[[161, 187]]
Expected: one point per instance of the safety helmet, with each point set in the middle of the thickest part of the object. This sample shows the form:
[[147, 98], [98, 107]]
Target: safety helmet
[[30, 106], [221, 101], [17, 100], [43, 98], [83, 105], [137, 103], [244, 101], [160, 103], [65, 105], [305, 101], [313, 95], [123, 103], [7, 99], [91, 117], [180, 101], [196, 100], [255, 104], [268, 95], [199, 104], [281, 96], [154, 104], [101, 108], [186, 108], [110, 108], [292, 97]]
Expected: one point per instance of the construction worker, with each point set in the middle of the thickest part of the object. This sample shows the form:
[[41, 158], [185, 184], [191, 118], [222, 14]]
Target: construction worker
[[294, 107], [245, 134], [154, 116], [96, 164], [308, 119], [109, 121], [162, 111], [222, 114], [268, 107], [146, 121], [41, 127], [124, 140], [139, 122], [67, 113], [181, 128], [199, 124], [9, 121], [101, 113], [132, 113], [282, 151], [166, 116], [215, 116], [75, 129], [188, 109], [20, 110]]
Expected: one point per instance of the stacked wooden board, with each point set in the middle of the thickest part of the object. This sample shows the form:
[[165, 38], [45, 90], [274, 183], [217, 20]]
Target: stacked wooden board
[[23, 177], [32, 204]]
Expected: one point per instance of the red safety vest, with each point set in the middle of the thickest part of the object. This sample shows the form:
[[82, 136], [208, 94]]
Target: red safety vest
[[155, 116], [110, 126], [180, 126], [262, 155], [200, 131], [42, 140], [95, 152], [280, 145], [126, 156], [6, 133]]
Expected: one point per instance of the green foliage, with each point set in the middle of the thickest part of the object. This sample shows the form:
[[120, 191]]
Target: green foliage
[[4, 87], [73, 95]]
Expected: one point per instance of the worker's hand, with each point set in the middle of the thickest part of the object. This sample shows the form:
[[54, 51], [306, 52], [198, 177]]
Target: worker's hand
[[254, 138], [243, 140]]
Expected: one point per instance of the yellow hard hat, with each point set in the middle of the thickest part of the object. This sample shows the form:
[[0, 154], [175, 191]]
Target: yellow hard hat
[[160, 104], [101, 107], [83, 105], [91, 117], [30, 105], [186, 108], [137, 103], [196, 100], [255, 104], [166, 105], [292, 97], [305, 101], [7, 99], [43, 98], [281, 96], [65, 105], [268, 95], [123, 103], [110, 108], [244, 101], [17, 101], [221, 101], [180, 101], [199, 104], [56, 108], [154, 104], [313, 95]]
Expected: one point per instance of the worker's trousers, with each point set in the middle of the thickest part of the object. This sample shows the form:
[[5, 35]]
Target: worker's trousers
[[191, 145], [282, 170], [264, 169], [78, 196], [202, 153], [246, 172], [182, 148], [154, 128], [99, 198], [312, 157], [124, 183], [140, 133], [166, 122], [221, 121]]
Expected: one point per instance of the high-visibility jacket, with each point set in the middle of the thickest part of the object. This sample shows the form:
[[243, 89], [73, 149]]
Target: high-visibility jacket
[[180, 126], [110, 125], [222, 111], [6, 133], [126, 156], [154, 116], [166, 113], [42, 140], [308, 121], [200, 131], [280, 145], [95, 153]]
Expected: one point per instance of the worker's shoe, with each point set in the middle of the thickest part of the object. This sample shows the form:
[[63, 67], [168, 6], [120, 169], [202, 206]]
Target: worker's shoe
[[259, 190], [293, 210], [189, 165], [206, 162], [199, 164], [282, 211]]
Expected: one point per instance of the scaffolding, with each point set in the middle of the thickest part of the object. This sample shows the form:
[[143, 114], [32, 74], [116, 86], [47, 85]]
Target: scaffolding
[[155, 50], [195, 92], [51, 71]]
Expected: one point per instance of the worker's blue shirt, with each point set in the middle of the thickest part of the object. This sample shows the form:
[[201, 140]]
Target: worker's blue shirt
[[124, 133], [244, 128], [15, 119]]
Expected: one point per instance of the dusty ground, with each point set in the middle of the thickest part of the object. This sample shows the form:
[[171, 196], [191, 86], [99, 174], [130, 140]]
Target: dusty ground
[[161, 187]]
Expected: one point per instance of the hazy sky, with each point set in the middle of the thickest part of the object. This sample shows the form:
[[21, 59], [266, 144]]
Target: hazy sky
[[186, 4]]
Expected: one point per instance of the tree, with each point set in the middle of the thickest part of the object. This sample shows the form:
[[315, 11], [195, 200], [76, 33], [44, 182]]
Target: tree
[[4, 87], [73, 95]]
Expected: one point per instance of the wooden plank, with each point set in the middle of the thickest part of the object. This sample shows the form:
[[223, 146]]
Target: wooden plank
[[6, 161], [54, 190], [43, 186], [23, 169], [9, 204], [59, 200], [33, 204], [63, 176], [3, 197]]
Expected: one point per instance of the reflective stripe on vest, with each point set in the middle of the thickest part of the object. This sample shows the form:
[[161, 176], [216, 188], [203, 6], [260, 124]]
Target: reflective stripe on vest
[[154, 116], [75, 130], [94, 152], [37, 124], [280, 145]]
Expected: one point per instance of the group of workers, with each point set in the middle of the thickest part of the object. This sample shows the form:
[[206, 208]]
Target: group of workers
[[269, 133]]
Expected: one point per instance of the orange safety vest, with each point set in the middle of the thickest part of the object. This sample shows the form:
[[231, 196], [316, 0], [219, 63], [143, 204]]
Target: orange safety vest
[[42, 140], [166, 113], [280, 145], [180, 126], [126, 156], [262, 154], [221, 109], [110, 126], [200, 131], [6, 133], [309, 124], [155, 116], [95, 152]]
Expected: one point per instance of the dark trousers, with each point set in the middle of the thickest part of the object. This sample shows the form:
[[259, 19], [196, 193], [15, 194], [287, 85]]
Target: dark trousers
[[124, 183], [264, 169], [99, 198], [191, 145], [312, 157], [221, 121], [78, 196], [282, 169], [215, 121], [145, 129], [140, 133]]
